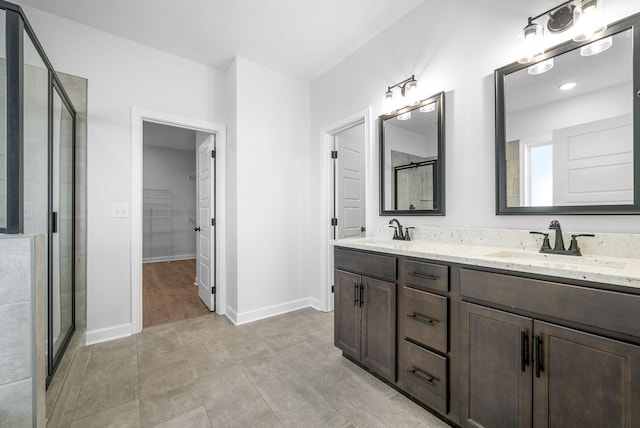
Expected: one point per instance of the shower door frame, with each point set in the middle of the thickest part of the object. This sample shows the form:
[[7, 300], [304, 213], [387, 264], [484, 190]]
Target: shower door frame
[[18, 27]]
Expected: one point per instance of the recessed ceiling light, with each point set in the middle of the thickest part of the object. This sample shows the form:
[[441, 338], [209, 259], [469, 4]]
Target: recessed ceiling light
[[404, 116], [567, 86]]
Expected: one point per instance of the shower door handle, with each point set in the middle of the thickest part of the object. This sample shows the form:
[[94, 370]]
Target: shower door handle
[[54, 222]]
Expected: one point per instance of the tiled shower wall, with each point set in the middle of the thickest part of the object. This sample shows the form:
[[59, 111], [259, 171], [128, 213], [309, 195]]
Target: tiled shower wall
[[23, 320]]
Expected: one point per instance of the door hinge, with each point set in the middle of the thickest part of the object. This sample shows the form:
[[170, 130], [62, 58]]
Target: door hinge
[[333, 288], [213, 290], [213, 153], [213, 222], [334, 221], [334, 154]]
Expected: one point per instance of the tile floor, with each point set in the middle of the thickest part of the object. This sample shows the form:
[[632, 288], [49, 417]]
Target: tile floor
[[204, 372]]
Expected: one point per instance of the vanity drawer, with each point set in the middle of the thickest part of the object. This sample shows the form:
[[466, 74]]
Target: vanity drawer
[[423, 374], [425, 276], [609, 310], [374, 265], [424, 318]]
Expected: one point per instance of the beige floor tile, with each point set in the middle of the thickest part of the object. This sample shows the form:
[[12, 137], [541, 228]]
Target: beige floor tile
[[293, 401], [231, 399], [206, 357], [194, 419], [123, 416], [107, 385], [205, 372], [163, 404]]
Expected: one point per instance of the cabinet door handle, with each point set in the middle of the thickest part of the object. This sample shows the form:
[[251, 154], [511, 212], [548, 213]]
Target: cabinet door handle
[[361, 294], [423, 276], [355, 293], [537, 344], [524, 350], [428, 379], [422, 319]]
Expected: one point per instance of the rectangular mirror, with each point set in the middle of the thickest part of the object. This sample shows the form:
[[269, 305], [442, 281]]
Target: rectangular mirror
[[412, 159], [567, 134]]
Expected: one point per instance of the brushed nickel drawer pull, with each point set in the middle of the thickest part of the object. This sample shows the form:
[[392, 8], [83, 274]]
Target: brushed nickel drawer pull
[[428, 379], [424, 276], [422, 319]]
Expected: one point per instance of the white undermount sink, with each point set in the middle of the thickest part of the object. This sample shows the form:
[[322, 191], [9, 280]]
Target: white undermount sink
[[557, 259]]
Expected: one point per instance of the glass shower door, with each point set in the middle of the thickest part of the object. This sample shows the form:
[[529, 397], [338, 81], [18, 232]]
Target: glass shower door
[[61, 297]]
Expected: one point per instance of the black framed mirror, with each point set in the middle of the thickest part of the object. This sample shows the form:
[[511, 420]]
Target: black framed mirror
[[412, 159], [568, 128]]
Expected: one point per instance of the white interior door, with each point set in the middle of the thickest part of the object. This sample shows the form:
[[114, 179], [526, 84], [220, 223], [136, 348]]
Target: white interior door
[[350, 182], [205, 241]]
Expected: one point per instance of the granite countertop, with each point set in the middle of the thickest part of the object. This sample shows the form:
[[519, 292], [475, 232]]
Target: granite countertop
[[609, 270]]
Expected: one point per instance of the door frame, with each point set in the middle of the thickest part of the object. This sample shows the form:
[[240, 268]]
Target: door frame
[[327, 194], [138, 116]]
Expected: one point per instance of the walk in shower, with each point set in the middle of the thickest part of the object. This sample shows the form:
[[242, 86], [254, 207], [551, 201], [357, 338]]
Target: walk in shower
[[37, 164]]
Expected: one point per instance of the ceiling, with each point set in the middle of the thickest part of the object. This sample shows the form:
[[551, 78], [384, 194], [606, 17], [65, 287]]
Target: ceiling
[[302, 38], [168, 137]]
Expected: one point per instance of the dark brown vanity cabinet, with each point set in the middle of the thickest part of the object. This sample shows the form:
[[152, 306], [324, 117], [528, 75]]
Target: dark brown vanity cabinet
[[519, 371], [423, 319], [365, 310]]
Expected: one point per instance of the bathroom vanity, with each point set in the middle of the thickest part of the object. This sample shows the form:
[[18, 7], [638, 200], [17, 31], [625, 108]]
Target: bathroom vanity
[[490, 337]]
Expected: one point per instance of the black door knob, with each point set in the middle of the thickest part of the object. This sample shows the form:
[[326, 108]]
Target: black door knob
[[362, 229], [197, 229]]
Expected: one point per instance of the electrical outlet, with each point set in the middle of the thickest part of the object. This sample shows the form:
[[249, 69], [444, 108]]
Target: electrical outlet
[[119, 210]]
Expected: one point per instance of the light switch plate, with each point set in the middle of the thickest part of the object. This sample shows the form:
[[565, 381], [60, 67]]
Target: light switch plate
[[119, 210]]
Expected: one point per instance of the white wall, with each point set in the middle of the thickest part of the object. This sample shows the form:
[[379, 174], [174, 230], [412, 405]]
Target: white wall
[[270, 139], [121, 75], [456, 50], [169, 169]]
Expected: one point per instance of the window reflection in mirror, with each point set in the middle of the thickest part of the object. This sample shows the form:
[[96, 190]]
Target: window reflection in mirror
[[411, 159], [568, 125]]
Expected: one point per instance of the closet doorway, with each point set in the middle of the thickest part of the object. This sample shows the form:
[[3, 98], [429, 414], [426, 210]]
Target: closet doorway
[[178, 232]]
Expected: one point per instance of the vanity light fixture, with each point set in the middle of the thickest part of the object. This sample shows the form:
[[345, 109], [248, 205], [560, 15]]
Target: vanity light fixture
[[590, 20], [567, 86], [409, 92], [586, 16], [596, 47], [541, 67]]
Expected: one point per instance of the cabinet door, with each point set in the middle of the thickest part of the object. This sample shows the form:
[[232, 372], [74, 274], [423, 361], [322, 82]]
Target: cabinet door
[[346, 313], [585, 380], [378, 300], [495, 368]]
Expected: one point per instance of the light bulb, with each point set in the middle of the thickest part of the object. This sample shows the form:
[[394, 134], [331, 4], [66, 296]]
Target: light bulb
[[389, 105], [589, 20], [531, 43], [411, 92]]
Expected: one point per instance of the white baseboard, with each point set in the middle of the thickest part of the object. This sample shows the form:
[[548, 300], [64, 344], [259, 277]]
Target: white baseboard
[[109, 333], [169, 258], [232, 315], [316, 304], [269, 311]]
